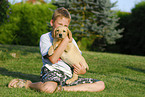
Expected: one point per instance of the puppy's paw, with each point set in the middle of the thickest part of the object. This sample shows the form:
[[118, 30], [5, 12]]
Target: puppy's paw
[[70, 81], [51, 51], [56, 45]]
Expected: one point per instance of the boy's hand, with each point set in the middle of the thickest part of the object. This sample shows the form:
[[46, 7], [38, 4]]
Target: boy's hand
[[79, 69]]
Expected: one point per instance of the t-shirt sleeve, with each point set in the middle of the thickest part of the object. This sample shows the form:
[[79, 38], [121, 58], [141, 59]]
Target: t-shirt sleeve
[[45, 43]]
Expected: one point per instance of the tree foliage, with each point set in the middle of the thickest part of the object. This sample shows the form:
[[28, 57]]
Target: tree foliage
[[137, 29], [26, 24], [133, 23], [4, 6], [94, 19]]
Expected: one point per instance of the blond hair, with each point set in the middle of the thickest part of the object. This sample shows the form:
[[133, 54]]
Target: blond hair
[[61, 12]]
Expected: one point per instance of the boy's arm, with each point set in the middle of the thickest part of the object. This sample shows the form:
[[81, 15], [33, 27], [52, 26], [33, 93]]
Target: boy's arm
[[58, 52]]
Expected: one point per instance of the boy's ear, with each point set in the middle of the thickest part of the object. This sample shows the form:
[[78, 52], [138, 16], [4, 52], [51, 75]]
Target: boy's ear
[[51, 22], [53, 30], [69, 34]]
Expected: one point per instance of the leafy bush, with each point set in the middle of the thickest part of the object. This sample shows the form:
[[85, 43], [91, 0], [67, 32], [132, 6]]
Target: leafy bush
[[136, 37], [133, 38], [4, 6], [26, 24]]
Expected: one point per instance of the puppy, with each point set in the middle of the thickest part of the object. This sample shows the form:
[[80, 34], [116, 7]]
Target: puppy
[[71, 54]]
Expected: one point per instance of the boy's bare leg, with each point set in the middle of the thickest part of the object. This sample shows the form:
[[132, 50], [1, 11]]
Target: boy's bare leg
[[90, 87], [48, 87]]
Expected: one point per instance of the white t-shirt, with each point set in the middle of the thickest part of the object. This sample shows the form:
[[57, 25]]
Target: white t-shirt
[[46, 42]]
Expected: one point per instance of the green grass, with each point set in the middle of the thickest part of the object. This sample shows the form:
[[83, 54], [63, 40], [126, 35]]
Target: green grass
[[124, 75]]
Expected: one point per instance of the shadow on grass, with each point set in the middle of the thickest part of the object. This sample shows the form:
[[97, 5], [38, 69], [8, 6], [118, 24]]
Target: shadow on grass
[[129, 79], [24, 49], [33, 78], [136, 69]]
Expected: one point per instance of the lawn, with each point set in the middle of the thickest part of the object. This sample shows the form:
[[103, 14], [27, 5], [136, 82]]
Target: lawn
[[124, 75]]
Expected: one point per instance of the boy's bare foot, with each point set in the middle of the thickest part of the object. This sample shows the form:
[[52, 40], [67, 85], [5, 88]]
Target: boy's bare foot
[[19, 83]]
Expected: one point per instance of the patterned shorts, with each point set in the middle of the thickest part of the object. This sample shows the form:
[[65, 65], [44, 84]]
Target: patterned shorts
[[59, 77]]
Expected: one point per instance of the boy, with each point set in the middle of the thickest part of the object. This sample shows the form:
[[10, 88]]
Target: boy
[[55, 72]]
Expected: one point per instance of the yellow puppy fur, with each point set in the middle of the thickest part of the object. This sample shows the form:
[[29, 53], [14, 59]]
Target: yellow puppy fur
[[71, 54]]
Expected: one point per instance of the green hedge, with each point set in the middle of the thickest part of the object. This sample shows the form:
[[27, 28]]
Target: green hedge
[[26, 24], [133, 40], [4, 6]]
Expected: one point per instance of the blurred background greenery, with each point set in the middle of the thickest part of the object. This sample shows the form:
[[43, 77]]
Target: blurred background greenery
[[94, 25]]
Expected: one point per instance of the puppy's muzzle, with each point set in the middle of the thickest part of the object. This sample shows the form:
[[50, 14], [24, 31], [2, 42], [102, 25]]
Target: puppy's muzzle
[[60, 35]]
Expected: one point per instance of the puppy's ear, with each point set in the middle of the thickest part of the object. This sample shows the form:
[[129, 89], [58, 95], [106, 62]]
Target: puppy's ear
[[69, 34], [53, 33]]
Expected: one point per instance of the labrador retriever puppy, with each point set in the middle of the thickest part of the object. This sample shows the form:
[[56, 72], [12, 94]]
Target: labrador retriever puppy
[[71, 54]]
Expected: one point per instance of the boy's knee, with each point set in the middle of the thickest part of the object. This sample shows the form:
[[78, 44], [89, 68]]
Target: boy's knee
[[102, 85], [48, 87]]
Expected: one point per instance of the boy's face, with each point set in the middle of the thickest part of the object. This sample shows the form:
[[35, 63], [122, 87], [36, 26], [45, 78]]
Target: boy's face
[[60, 21]]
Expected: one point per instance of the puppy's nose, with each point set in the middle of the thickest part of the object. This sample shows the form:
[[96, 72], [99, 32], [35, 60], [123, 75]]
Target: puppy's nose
[[60, 35]]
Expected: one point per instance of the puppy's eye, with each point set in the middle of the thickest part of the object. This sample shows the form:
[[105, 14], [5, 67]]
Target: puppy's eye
[[57, 30], [64, 31]]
